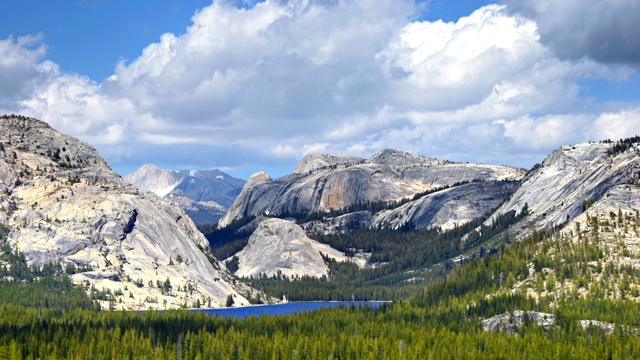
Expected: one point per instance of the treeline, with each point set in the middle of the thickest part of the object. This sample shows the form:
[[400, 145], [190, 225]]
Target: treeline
[[442, 320], [15, 267], [38, 286], [345, 282], [402, 250], [399, 331], [622, 145]]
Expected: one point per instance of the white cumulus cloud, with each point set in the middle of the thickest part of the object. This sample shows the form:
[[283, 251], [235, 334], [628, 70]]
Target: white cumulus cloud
[[274, 80]]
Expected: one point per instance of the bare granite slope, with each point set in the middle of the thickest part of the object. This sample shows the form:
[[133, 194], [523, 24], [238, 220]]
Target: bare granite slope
[[449, 207], [331, 182], [571, 176], [65, 205], [282, 247]]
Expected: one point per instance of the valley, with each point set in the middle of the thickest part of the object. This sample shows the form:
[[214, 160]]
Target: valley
[[500, 261]]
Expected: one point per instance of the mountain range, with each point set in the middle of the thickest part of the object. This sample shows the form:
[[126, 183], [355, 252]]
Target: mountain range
[[324, 184], [333, 194], [63, 204]]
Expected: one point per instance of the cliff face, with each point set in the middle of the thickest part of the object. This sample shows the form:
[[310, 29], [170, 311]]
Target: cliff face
[[343, 181], [204, 195], [572, 175], [65, 205]]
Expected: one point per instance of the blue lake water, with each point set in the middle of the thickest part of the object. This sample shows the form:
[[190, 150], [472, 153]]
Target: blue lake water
[[285, 309]]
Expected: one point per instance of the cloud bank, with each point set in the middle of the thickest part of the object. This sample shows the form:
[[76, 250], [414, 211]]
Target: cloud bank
[[260, 86], [603, 30]]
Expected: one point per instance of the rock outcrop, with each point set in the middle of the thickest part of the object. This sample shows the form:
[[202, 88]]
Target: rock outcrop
[[329, 182], [204, 195], [512, 322], [314, 162], [65, 205], [282, 247]]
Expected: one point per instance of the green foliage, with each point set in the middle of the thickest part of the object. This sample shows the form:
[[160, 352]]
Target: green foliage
[[4, 232], [442, 320], [230, 301], [404, 254], [622, 145]]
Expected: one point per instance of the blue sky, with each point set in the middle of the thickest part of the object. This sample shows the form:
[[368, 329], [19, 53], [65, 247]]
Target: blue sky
[[245, 86]]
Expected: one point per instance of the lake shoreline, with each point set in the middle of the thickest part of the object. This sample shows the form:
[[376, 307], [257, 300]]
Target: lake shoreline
[[287, 308], [294, 302]]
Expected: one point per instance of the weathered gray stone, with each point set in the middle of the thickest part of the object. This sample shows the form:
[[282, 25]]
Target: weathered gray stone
[[512, 322], [447, 208], [555, 191], [281, 246], [64, 204], [388, 176]]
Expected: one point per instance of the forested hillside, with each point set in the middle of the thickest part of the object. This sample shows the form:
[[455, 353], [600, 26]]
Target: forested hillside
[[545, 272]]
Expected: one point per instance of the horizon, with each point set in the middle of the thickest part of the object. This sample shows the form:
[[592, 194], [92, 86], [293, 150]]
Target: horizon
[[249, 86]]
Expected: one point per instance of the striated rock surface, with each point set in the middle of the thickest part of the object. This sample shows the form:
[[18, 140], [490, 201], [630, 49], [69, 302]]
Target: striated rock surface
[[403, 159], [65, 205], [448, 208], [388, 176], [204, 195], [557, 189], [281, 246], [445, 209]]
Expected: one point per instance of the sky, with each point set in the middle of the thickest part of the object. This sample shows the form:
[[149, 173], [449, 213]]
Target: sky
[[247, 86]]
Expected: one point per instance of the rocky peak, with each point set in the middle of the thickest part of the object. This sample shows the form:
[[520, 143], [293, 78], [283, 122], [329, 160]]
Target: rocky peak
[[65, 205], [204, 194], [152, 178], [313, 162], [390, 176], [258, 178], [400, 158], [32, 145]]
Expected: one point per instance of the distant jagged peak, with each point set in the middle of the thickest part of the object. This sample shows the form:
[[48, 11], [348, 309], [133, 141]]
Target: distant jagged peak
[[314, 161], [150, 168], [153, 178], [394, 157]]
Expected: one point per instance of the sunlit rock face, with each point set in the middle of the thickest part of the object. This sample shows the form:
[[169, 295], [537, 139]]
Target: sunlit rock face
[[333, 182], [282, 247], [557, 190], [65, 205]]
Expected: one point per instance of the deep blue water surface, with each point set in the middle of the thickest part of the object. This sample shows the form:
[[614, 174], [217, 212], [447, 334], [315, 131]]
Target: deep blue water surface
[[285, 309]]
